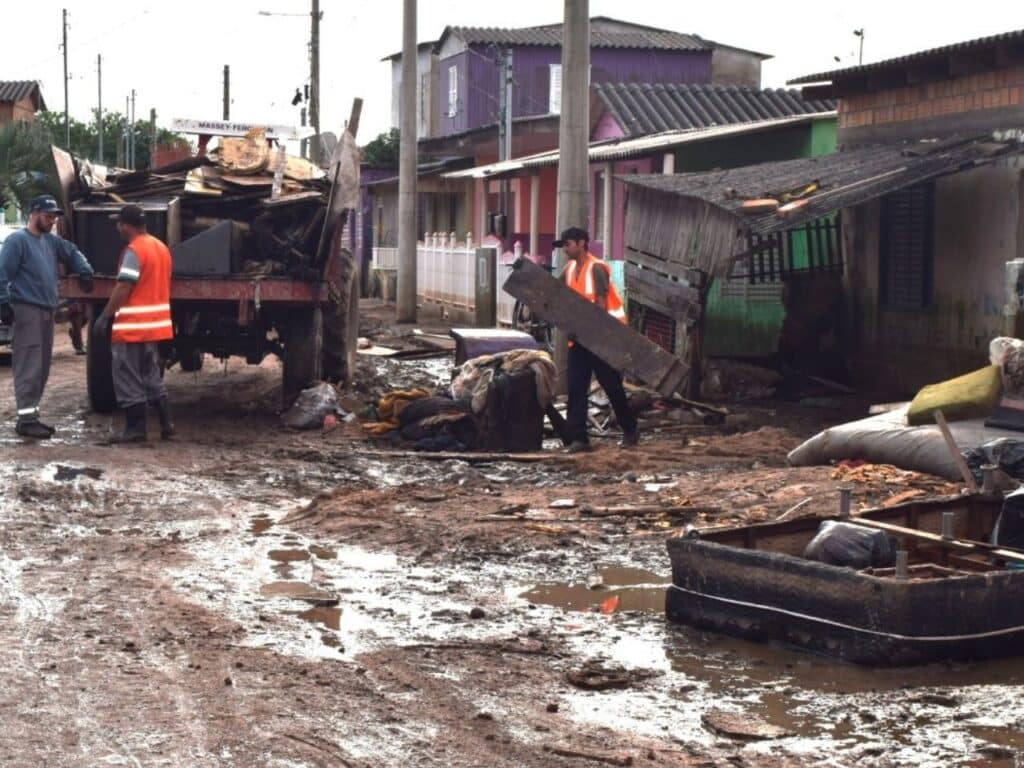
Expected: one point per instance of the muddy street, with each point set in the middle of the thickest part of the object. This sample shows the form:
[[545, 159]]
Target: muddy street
[[250, 596]]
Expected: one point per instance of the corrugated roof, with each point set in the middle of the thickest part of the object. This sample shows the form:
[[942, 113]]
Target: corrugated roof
[[845, 178], [645, 108], [968, 46], [601, 36], [16, 90], [621, 149]]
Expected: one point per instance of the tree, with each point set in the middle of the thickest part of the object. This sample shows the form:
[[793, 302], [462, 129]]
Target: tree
[[25, 163], [85, 138], [382, 152]]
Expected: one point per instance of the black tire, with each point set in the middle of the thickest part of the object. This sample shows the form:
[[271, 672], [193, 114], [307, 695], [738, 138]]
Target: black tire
[[303, 352], [190, 360], [341, 327], [99, 374]]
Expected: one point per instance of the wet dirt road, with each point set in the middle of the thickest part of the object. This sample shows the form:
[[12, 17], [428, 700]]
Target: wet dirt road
[[246, 596]]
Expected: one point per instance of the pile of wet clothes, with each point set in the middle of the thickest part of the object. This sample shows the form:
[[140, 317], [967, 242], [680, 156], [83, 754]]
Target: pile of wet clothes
[[451, 420]]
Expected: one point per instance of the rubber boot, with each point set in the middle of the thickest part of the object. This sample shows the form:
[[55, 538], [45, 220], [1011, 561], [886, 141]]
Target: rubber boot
[[34, 429], [163, 410], [134, 425]]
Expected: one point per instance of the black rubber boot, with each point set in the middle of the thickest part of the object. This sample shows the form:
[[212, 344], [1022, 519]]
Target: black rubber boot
[[34, 429], [163, 410], [629, 439], [134, 425]]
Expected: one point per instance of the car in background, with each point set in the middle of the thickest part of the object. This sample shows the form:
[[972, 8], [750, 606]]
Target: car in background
[[6, 331]]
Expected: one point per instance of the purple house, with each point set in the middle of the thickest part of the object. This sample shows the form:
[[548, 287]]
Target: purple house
[[458, 103]]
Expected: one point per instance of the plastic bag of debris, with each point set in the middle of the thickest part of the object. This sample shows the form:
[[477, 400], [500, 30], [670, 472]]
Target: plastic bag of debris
[[311, 407], [851, 546]]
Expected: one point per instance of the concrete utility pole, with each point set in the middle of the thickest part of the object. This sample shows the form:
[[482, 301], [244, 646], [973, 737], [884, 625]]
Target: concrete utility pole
[[406, 299], [227, 92], [67, 123], [127, 129], [131, 130], [573, 140], [152, 135], [99, 105], [505, 133], [314, 80]]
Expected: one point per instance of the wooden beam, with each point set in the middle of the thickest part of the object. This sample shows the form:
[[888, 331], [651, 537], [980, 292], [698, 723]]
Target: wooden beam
[[689, 275], [934, 539], [670, 292], [617, 344]]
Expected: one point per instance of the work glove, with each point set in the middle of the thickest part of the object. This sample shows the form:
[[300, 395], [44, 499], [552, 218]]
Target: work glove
[[85, 281], [6, 314], [101, 326]]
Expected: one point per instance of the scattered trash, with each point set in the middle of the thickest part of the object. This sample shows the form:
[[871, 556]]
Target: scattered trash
[[608, 606], [851, 545], [593, 676], [563, 504], [312, 406]]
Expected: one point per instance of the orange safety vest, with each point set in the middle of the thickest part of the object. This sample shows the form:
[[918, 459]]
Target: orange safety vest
[[146, 316], [582, 282]]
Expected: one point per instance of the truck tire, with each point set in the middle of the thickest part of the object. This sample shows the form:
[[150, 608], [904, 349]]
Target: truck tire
[[341, 331], [191, 360], [303, 352], [99, 376]]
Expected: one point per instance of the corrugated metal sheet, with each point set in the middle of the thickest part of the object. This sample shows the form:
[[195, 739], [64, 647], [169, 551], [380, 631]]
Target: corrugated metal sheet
[[645, 108], [625, 148], [969, 46], [16, 90], [845, 178]]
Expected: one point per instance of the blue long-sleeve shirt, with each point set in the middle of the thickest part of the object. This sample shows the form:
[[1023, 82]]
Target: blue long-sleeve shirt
[[28, 267]]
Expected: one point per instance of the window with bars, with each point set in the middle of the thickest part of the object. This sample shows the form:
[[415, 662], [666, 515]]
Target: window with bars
[[906, 248]]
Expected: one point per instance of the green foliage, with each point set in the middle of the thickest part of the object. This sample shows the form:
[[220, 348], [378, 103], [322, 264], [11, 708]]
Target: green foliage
[[25, 163], [382, 152], [85, 137]]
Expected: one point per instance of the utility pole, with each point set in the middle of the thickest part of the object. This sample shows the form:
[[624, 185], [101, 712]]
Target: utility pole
[[573, 140], [131, 130], [227, 92], [127, 127], [152, 135], [303, 144], [99, 105], [505, 132], [406, 299], [314, 80], [860, 33], [67, 124]]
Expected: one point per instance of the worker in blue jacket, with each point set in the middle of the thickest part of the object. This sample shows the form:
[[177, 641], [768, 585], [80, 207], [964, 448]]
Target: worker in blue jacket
[[29, 263]]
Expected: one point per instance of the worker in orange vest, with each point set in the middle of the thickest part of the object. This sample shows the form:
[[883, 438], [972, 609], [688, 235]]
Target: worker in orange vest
[[140, 308], [590, 277]]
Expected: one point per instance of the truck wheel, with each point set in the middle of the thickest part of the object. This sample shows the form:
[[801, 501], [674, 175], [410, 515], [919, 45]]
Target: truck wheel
[[341, 332], [303, 352], [191, 360], [99, 375]]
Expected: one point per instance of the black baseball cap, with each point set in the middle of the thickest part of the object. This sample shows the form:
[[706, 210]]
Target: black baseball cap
[[572, 233], [132, 215], [45, 204]]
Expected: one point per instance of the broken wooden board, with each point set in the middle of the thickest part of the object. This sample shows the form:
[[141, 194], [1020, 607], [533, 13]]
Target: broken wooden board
[[677, 300], [617, 344]]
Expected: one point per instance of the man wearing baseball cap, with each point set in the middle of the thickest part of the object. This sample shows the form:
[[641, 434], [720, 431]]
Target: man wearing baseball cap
[[590, 277], [138, 317], [28, 300]]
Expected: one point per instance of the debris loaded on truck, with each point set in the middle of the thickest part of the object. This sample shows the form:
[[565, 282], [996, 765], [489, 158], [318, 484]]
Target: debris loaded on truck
[[256, 239]]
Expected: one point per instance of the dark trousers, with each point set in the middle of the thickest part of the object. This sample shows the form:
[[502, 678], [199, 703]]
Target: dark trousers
[[137, 373], [582, 365], [31, 350]]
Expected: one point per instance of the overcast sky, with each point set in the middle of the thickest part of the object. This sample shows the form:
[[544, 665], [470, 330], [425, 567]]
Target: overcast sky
[[173, 53]]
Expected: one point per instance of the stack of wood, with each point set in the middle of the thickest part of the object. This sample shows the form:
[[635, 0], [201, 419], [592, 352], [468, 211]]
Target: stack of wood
[[278, 201]]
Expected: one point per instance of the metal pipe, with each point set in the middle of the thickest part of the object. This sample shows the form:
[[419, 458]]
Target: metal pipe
[[901, 564], [947, 525], [844, 502], [988, 482]]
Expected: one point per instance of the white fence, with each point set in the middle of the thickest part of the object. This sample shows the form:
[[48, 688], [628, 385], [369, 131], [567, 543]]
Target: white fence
[[446, 273]]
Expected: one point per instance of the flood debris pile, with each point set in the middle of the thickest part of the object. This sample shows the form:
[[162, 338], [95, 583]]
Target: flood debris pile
[[268, 207]]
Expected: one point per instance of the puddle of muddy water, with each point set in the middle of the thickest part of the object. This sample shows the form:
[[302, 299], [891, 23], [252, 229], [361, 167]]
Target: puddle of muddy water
[[636, 589]]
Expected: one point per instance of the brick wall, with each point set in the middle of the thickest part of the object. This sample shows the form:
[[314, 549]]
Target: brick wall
[[969, 93]]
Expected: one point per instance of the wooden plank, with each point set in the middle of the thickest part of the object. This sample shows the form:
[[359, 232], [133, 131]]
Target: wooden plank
[[689, 275], [617, 344], [960, 545], [678, 301], [954, 451], [299, 197]]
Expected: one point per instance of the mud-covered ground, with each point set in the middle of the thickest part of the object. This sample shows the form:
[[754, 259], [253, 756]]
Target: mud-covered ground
[[250, 596]]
